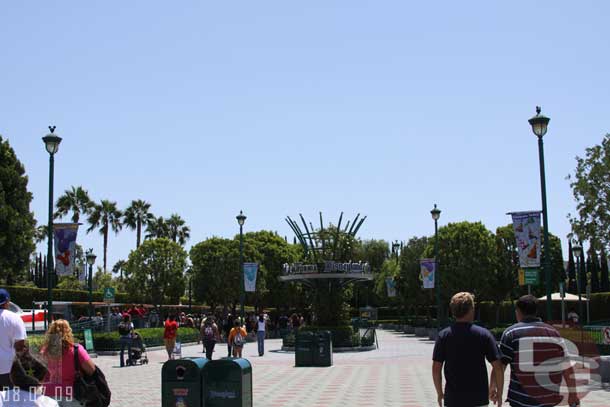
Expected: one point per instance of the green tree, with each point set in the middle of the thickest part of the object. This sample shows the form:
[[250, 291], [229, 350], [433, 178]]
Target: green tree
[[389, 269], [106, 217], [156, 270], [103, 279], [409, 284], [591, 189], [137, 215], [157, 228], [75, 200], [177, 229], [215, 268], [69, 283], [17, 224], [374, 252], [119, 268], [505, 276]]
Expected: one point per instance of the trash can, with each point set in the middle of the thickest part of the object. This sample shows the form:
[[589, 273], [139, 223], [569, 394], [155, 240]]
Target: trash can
[[303, 349], [323, 350], [227, 383], [182, 382]]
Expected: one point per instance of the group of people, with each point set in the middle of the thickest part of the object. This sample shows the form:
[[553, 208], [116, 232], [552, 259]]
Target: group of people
[[44, 380], [461, 350]]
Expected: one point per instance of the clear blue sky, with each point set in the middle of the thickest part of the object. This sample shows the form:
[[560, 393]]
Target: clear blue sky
[[279, 107]]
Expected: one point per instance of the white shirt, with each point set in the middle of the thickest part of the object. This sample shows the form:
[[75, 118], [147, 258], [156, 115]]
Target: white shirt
[[261, 326], [21, 398], [13, 326]]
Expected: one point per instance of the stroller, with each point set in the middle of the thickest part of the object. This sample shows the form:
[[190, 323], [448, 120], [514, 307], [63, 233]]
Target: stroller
[[138, 351]]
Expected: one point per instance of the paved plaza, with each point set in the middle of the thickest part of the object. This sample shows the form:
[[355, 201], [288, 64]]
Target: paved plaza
[[398, 374]]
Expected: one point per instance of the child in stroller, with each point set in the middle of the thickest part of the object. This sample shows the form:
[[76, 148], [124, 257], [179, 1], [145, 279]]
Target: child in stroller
[[138, 350]]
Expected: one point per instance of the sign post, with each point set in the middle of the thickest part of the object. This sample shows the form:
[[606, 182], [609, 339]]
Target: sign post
[[563, 304], [588, 301], [108, 299]]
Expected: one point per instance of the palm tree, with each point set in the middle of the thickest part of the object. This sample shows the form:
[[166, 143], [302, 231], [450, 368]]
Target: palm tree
[[119, 267], [106, 216], [156, 228], [178, 231], [75, 200], [136, 215]]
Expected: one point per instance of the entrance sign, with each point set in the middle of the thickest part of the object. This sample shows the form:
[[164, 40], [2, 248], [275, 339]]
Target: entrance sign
[[250, 271], [326, 267], [65, 247], [526, 226], [109, 295], [88, 340], [427, 272]]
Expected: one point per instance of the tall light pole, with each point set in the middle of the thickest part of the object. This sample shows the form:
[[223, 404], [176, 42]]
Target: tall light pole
[[577, 250], [395, 248], [90, 261], [539, 125], [51, 143], [241, 219], [436, 214]]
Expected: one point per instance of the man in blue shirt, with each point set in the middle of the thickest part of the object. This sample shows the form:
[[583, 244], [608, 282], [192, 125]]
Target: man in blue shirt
[[462, 348]]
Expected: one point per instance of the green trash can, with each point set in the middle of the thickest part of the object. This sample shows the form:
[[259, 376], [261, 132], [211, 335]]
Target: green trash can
[[303, 349], [182, 382], [227, 383], [323, 350]]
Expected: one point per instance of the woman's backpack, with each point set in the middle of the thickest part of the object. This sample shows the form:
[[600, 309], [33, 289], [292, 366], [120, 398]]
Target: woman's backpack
[[91, 391]]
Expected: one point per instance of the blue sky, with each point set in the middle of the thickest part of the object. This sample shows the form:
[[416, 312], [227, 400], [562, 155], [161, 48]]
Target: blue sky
[[278, 108]]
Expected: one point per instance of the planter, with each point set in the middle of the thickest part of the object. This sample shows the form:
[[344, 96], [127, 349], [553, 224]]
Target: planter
[[432, 334], [604, 368], [409, 330]]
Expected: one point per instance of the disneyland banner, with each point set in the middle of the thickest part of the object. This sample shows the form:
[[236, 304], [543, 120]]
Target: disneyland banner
[[250, 271], [391, 286], [527, 233], [65, 247], [427, 272]]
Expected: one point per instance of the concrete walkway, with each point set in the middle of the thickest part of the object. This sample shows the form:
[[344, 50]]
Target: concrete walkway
[[398, 374]]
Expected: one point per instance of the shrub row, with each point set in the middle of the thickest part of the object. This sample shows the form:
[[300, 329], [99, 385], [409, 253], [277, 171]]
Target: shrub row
[[24, 296]]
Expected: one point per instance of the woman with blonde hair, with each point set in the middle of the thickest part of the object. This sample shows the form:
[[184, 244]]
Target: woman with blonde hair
[[58, 351]]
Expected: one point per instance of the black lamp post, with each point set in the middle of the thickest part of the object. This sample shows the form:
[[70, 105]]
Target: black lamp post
[[241, 219], [90, 261], [51, 143], [577, 250], [395, 248], [539, 125], [436, 214]]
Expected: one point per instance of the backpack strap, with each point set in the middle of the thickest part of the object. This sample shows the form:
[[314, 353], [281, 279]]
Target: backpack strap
[[77, 373]]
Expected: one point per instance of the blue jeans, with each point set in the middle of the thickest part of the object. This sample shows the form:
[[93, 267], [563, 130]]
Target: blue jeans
[[125, 342], [260, 337]]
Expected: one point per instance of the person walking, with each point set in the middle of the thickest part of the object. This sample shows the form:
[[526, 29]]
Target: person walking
[[58, 351], [125, 333], [227, 327], [237, 339], [537, 357], [260, 334], [169, 335], [12, 339], [462, 348], [27, 374], [209, 336]]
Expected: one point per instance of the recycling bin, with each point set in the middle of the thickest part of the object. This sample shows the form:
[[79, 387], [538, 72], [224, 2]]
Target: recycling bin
[[323, 349], [304, 348], [182, 382], [227, 383]]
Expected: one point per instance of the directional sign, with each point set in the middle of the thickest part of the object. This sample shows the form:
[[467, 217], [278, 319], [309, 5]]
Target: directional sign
[[109, 295], [530, 276]]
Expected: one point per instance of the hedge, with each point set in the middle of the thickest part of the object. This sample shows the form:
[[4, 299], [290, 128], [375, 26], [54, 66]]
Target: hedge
[[103, 341], [24, 296], [341, 336]]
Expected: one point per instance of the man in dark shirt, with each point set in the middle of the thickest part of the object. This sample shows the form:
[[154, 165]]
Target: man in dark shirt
[[538, 360], [463, 348]]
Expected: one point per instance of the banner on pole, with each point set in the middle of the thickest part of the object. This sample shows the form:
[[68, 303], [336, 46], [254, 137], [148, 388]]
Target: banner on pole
[[527, 234], [427, 272], [390, 284], [65, 247], [250, 271]]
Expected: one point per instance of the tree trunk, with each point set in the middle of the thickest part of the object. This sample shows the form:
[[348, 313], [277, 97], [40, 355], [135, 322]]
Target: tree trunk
[[105, 246], [138, 233]]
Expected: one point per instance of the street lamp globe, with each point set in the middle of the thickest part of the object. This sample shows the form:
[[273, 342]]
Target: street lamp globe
[[241, 218], [51, 141], [91, 257], [577, 250], [436, 213], [539, 123]]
